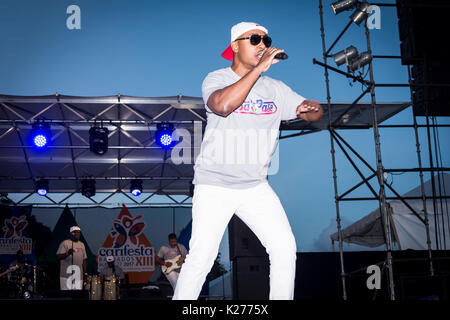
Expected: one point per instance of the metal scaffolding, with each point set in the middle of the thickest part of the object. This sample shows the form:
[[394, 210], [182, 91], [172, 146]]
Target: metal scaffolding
[[378, 171]]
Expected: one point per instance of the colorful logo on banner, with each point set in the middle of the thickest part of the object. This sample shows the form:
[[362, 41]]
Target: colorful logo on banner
[[13, 238], [130, 247]]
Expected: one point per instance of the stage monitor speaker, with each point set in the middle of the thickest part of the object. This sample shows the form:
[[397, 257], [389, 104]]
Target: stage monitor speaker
[[243, 242], [251, 278]]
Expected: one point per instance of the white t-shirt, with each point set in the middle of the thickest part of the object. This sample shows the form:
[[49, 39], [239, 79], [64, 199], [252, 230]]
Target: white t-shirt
[[236, 150], [167, 252], [79, 254]]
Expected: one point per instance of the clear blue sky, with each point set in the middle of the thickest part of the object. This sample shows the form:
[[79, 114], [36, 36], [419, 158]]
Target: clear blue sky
[[156, 48]]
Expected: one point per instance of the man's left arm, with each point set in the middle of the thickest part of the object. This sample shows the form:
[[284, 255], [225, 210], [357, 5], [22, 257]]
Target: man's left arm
[[310, 110]]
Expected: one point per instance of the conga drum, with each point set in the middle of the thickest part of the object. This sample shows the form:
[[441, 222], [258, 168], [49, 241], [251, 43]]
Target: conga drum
[[94, 286], [110, 288]]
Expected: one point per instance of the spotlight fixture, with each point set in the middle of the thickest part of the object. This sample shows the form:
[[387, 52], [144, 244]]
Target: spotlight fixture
[[345, 55], [358, 16], [40, 134], [360, 13], [352, 59], [88, 187], [362, 60], [163, 135], [136, 187], [343, 5], [98, 140], [42, 187]]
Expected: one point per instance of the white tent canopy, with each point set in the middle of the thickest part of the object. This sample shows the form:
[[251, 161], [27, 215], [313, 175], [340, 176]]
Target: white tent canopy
[[408, 231]]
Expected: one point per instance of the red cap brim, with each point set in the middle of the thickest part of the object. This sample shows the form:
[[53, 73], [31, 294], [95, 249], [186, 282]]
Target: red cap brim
[[228, 53]]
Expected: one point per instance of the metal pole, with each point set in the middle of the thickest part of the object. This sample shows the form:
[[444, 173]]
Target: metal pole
[[430, 154], [380, 173], [338, 218], [422, 187]]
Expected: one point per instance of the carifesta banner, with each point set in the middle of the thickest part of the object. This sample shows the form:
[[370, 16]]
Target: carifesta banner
[[130, 247], [14, 237]]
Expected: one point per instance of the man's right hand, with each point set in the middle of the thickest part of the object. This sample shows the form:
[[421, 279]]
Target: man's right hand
[[69, 252], [268, 59]]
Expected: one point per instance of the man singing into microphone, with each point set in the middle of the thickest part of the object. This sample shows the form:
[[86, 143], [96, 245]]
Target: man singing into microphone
[[244, 111], [72, 256]]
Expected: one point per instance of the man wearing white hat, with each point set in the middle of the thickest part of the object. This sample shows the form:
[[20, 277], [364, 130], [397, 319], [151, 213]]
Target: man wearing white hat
[[244, 111], [72, 256], [112, 269]]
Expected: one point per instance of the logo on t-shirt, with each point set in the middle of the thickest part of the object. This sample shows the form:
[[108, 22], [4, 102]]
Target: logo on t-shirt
[[258, 107]]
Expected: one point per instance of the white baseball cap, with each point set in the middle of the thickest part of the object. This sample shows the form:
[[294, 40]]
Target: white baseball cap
[[109, 258], [74, 228], [236, 31]]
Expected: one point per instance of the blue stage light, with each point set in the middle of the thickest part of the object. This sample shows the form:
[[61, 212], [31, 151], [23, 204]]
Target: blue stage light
[[42, 187], [40, 134], [163, 135], [136, 187], [136, 192]]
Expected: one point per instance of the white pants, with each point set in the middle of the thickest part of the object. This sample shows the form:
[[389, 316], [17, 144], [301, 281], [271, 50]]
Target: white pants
[[173, 277], [259, 208]]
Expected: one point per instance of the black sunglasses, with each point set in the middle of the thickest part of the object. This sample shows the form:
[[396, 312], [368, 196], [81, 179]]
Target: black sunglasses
[[255, 39]]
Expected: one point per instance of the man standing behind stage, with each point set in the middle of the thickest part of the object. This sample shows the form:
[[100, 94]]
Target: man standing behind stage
[[72, 256]]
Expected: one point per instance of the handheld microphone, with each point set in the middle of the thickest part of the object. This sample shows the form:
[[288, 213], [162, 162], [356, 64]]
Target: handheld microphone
[[281, 56]]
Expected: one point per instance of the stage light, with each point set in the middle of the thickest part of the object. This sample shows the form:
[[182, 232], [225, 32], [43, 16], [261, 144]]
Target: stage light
[[362, 60], [42, 187], [345, 56], [163, 135], [40, 134], [360, 13], [98, 140], [352, 59], [136, 187], [88, 187], [343, 5]]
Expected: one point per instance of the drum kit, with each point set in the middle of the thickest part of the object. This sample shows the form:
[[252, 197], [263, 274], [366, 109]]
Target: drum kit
[[20, 281], [109, 286], [26, 281]]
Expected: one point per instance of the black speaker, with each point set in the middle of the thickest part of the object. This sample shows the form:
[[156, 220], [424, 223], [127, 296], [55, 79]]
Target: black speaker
[[422, 28], [251, 278], [243, 242], [428, 99], [423, 287]]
